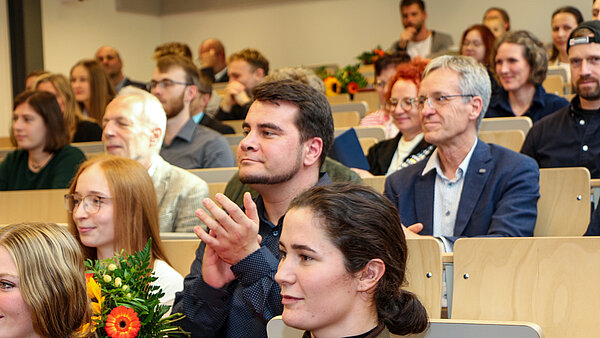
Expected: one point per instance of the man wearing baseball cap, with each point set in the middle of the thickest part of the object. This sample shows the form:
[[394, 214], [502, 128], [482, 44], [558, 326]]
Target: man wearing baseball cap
[[569, 137]]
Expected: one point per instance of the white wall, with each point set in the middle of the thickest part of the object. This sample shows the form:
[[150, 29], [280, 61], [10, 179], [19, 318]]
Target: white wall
[[6, 78], [289, 33], [74, 30]]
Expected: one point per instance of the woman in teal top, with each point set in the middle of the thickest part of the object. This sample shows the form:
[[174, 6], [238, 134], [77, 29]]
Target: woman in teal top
[[44, 159]]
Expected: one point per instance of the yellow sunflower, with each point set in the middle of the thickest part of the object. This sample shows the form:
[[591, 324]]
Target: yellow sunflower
[[333, 86]]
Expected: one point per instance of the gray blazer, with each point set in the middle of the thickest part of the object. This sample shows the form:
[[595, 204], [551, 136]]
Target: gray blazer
[[179, 194]]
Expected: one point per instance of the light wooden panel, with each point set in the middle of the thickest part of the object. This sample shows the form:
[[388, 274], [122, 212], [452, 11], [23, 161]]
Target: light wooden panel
[[512, 139], [361, 107], [376, 182], [339, 99], [370, 97], [505, 123], [181, 253], [216, 187], [564, 204], [424, 273], [213, 175], [553, 84], [443, 328], [549, 281], [33, 205], [346, 119], [366, 143]]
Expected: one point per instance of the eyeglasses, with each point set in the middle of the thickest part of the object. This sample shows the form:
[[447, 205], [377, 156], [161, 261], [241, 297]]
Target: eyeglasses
[[406, 103], [91, 203], [165, 83], [437, 101]]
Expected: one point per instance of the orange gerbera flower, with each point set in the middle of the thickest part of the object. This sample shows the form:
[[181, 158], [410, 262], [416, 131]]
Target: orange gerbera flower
[[122, 322], [352, 87]]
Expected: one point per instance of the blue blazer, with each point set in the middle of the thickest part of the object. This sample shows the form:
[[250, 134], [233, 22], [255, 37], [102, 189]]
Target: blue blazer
[[499, 196]]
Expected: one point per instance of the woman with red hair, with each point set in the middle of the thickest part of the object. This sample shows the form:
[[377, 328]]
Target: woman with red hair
[[408, 147]]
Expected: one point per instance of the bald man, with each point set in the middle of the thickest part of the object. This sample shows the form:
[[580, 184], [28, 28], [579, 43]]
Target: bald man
[[110, 59], [212, 56]]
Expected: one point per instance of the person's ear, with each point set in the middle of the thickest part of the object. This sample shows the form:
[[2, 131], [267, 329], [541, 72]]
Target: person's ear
[[190, 92], [154, 136], [477, 106], [313, 149], [370, 275]]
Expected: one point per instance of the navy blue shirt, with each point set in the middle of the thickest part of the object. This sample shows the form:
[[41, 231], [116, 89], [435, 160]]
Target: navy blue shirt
[[543, 104], [243, 307], [568, 138]]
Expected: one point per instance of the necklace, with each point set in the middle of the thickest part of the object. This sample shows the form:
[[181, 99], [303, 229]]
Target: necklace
[[37, 166]]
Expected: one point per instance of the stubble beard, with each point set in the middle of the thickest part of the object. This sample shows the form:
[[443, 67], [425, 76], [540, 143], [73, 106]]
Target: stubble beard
[[176, 108], [591, 94], [276, 179]]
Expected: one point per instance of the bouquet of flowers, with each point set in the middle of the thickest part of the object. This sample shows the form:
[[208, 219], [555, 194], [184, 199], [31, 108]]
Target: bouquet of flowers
[[124, 303], [346, 80], [369, 57]]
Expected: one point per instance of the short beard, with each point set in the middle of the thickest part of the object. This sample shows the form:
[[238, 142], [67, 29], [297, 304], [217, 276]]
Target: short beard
[[590, 95], [281, 178], [176, 108]]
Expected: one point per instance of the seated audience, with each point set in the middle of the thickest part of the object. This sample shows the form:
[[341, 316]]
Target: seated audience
[[408, 147], [112, 207], [110, 59], [569, 137], [42, 282], [564, 21], [416, 39], [231, 291], [187, 144], [199, 104], [595, 10], [385, 68], [337, 172], [32, 78], [246, 70], [352, 283], [44, 159], [497, 20], [478, 43], [520, 66], [134, 127], [92, 88], [182, 49], [81, 128], [467, 187], [211, 54]]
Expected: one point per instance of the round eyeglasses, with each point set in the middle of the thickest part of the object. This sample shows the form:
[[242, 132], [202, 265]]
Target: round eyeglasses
[[91, 203], [406, 104]]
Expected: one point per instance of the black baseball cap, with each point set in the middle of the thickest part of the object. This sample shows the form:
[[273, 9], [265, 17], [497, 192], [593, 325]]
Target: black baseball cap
[[593, 26]]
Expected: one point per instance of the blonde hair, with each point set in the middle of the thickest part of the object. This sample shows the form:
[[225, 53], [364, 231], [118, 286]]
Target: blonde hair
[[52, 277], [72, 114], [135, 209]]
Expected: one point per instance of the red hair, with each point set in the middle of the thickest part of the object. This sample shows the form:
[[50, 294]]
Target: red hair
[[408, 71]]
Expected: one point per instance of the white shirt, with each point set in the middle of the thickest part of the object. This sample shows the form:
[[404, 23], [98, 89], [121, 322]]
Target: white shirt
[[419, 48], [402, 151], [447, 193], [169, 280]]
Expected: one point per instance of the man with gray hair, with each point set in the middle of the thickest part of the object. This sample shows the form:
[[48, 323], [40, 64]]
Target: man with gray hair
[[134, 126], [467, 187]]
